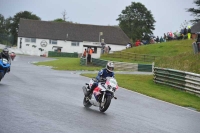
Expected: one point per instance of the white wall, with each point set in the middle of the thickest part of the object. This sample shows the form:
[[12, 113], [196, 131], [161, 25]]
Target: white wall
[[66, 47]]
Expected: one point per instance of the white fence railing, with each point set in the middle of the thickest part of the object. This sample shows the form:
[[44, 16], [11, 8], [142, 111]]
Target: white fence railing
[[179, 79]]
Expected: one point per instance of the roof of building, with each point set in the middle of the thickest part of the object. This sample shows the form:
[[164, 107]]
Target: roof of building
[[195, 28], [71, 31]]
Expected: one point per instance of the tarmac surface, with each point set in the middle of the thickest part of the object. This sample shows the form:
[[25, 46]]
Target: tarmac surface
[[38, 99]]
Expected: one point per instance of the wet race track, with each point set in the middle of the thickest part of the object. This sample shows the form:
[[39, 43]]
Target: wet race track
[[37, 99]]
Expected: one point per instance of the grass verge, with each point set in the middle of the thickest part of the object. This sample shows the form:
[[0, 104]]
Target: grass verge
[[144, 84], [68, 64]]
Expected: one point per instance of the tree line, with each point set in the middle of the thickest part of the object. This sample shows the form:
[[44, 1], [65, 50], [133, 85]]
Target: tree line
[[135, 20]]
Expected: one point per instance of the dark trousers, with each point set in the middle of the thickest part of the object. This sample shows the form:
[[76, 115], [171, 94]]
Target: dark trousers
[[89, 58]]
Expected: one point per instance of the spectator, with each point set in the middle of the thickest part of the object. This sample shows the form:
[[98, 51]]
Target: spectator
[[152, 41], [84, 54], [161, 39], [185, 32], [128, 45], [157, 39], [189, 32], [90, 51], [165, 37], [102, 47], [182, 31], [106, 49], [109, 48], [137, 43], [170, 36]]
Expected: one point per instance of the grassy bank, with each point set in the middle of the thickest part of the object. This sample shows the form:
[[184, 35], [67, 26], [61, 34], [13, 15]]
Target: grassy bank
[[173, 54], [144, 84]]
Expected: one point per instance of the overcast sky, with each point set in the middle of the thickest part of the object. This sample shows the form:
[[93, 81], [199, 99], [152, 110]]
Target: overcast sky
[[169, 14]]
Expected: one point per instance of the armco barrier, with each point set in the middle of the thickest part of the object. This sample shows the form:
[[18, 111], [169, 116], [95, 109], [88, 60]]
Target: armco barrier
[[62, 54], [144, 68], [179, 79], [120, 66]]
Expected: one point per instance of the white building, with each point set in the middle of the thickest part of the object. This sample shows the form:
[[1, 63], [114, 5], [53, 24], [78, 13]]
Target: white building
[[35, 35]]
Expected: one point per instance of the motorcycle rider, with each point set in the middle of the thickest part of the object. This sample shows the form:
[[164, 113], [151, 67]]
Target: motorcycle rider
[[102, 74], [5, 54]]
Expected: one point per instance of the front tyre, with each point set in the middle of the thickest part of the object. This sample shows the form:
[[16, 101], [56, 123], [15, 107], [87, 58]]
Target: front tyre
[[104, 106], [86, 102]]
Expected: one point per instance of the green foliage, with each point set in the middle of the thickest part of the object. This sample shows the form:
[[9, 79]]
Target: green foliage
[[195, 12], [59, 20], [5, 36], [144, 84], [5, 25], [2, 24], [136, 21], [15, 24]]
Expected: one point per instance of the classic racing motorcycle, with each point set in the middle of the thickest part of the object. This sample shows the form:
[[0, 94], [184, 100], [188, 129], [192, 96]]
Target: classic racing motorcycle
[[102, 94], [12, 55], [4, 66]]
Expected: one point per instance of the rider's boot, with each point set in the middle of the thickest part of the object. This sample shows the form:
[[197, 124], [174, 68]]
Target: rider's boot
[[91, 90]]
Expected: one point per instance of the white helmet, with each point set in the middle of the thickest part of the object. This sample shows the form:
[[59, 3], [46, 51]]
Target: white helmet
[[110, 66]]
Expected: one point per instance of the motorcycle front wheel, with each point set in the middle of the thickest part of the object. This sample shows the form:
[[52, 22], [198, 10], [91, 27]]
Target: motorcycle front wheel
[[86, 103], [104, 106], [1, 76]]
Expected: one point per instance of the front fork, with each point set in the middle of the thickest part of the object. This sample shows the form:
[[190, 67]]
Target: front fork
[[102, 100], [104, 93]]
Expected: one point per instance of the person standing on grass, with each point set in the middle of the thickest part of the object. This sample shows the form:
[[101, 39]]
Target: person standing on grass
[[189, 32], [90, 51], [84, 54]]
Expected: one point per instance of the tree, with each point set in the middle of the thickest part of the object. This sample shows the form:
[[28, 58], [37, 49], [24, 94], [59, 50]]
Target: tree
[[64, 13], [14, 26], [59, 20], [136, 21], [195, 12], [2, 24], [5, 36]]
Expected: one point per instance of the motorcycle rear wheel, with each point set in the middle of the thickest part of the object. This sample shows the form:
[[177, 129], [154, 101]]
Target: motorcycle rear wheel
[[86, 103], [107, 101]]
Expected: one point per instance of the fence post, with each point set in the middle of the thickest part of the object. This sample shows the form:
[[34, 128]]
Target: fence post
[[153, 64]]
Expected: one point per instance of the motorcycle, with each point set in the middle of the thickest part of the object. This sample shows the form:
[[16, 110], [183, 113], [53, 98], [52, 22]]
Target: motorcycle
[[12, 55], [102, 95], [4, 66]]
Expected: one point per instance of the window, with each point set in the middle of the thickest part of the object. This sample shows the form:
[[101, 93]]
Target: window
[[27, 40], [52, 41], [33, 40], [75, 44]]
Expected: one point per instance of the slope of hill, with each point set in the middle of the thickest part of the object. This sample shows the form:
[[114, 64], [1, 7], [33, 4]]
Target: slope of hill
[[173, 54]]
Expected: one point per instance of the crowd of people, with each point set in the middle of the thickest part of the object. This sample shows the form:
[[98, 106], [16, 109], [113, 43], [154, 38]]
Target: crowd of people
[[184, 33]]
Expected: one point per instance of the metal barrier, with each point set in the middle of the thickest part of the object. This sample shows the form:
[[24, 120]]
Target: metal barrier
[[62, 54], [120, 66], [179, 79]]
